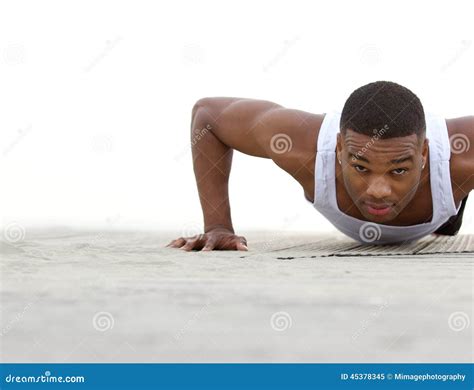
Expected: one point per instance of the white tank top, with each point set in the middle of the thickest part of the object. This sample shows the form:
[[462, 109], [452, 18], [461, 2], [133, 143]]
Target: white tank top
[[369, 232]]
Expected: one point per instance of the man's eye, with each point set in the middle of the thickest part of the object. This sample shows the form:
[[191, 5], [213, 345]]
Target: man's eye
[[360, 168], [400, 171]]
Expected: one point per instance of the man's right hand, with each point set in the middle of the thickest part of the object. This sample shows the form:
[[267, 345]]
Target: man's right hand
[[215, 239]]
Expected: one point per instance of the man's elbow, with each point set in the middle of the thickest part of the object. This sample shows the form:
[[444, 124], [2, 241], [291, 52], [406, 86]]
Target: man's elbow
[[201, 103], [214, 106]]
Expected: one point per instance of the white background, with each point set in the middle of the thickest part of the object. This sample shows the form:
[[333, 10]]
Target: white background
[[96, 97]]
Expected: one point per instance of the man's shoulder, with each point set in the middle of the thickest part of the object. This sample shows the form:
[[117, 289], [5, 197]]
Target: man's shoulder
[[293, 142], [299, 128], [461, 125], [461, 142], [290, 137]]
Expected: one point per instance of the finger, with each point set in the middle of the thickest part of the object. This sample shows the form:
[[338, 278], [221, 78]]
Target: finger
[[171, 243], [178, 243], [210, 245], [190, 244], [243, 241], [242, 247]]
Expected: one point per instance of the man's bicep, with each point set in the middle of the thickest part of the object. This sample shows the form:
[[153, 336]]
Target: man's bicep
[[240, 123], [469, 157], [461, 139], [264, 129]]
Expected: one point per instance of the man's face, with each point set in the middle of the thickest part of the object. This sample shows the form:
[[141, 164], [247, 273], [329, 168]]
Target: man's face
[[381, 175]]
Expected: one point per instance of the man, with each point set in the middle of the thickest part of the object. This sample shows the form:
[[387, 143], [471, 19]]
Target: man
[[381, 171]]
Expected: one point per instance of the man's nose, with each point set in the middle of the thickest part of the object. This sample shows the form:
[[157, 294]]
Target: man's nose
[[379, 188]]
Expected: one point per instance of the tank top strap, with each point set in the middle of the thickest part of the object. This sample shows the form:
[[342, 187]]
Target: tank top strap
[[440, 174]]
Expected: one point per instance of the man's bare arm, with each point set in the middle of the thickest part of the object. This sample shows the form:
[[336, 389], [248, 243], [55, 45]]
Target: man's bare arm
[[461, 137], [227, 124], [255, 127]]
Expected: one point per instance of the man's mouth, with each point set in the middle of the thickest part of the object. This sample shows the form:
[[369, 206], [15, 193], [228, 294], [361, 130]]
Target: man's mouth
[[378, 208]]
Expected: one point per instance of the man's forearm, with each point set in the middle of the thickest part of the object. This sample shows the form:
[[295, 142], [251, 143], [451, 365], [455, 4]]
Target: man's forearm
[[212, 161]]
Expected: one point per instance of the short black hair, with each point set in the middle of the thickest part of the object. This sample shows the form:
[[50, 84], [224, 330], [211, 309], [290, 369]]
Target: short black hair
[[383, 105]]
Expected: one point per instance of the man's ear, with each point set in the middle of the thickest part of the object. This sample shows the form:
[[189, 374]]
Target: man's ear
[[424, 151], [339, 146]]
